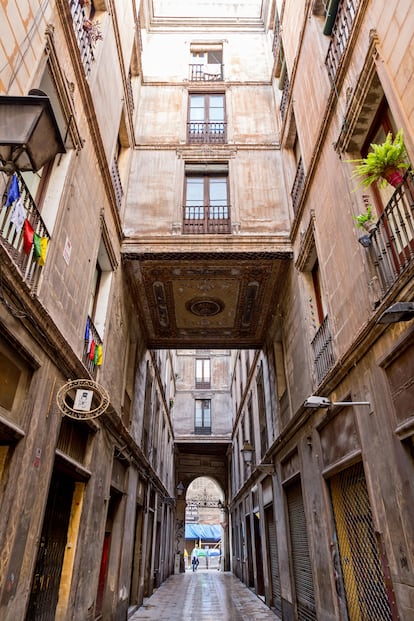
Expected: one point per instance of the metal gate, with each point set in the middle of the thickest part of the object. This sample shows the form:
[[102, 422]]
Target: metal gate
[[274, 559], [367, 594], [302, 568], [46, 581]]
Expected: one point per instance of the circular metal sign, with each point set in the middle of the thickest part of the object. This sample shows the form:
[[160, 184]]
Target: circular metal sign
[[82, 399]]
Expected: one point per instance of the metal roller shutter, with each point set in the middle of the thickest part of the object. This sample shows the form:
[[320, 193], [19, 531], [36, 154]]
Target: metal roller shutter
[[302, 569], [369, 592], [274, 559]]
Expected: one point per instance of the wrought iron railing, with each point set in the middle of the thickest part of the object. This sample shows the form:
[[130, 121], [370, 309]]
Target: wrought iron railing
[[79, 18], [391, 243], [276, 39], [202, 431], [206, 73], [130, 92], [323, 354], [206, 132], [92, 349], [12, 232], [202, 384], [116, 182], [285, 96], [202, 220], [298, 185], [340, 35]]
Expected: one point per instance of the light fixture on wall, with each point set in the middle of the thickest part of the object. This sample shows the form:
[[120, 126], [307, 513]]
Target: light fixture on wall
[[365, 241], [400, 311], [315, 401], [180, 488], [247, 452], [29, 134]]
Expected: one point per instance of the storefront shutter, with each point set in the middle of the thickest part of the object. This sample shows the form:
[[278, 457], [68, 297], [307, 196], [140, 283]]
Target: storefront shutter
[[274, 559], [302, 569]]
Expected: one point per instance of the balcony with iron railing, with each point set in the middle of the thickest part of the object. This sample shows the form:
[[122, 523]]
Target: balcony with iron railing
[[202, 384], [117, 183], [323, 354], [206, 132], [285, 96], [298, 186], [130, 93], [341, 32], [206, 220], [206, 73], [12, 235], [202, 431], [83, 36], [92, 349], [276, 40], [391, 243]]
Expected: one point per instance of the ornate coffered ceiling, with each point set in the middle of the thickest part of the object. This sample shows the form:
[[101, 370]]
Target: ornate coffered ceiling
[[205, 299]]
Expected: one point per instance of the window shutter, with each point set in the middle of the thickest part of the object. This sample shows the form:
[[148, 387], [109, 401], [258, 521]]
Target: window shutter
[[331, 17]]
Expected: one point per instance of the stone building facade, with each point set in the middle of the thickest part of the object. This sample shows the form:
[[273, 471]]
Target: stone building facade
[[197, 257]]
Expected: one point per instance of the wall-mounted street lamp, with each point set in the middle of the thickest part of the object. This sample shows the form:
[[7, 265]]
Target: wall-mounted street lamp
[[247, 452], [180, 488], [29, 134], [400, 311], [323, 402]]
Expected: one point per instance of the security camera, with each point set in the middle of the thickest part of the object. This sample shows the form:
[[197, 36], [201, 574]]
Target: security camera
[[317, 402]]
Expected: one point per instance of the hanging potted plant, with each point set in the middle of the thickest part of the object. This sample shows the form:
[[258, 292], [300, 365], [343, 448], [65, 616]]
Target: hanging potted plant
[[93, 30], [386, 162], [366, 220]]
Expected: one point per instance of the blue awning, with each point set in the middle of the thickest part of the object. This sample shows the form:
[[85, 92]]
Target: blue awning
[[212, 532]]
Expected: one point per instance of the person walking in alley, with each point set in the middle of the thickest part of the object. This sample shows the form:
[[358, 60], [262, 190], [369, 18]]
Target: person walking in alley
[[194, 558]]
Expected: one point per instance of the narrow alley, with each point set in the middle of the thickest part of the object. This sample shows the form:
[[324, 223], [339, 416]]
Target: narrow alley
[[206, 595]]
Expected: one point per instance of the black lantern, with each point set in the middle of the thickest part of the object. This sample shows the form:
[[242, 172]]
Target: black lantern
[[29, 134]]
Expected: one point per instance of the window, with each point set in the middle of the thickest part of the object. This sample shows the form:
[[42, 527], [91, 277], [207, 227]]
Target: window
[[340, 17], [15, 374], [206, 207], [202, 379], [321, 338], [120, 161], [99, 293], [381, 126], [299, 181], [206, 119], [202, 423], [206, 62]]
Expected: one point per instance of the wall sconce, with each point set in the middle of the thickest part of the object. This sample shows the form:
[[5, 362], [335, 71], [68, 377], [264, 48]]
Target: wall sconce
[[400, 311], [365, 241], [29, 134], [247, 452], [323, 402], [180, 488]]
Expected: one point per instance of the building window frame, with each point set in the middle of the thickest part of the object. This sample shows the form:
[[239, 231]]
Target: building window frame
[[202, 416]]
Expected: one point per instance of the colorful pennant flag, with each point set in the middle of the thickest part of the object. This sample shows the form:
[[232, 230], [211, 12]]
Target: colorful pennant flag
[[28, 234], [14, 192], [40, 248], [87, 330], [99, 357], [18, 215], [92, 350], [44, 242], [95, 356]]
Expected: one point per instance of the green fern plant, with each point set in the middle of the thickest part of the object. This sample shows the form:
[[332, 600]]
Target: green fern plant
[[388, 156], [364, 220]]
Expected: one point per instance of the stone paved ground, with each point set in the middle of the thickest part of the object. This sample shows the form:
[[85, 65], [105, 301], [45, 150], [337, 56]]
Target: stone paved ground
[[204, 595]]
